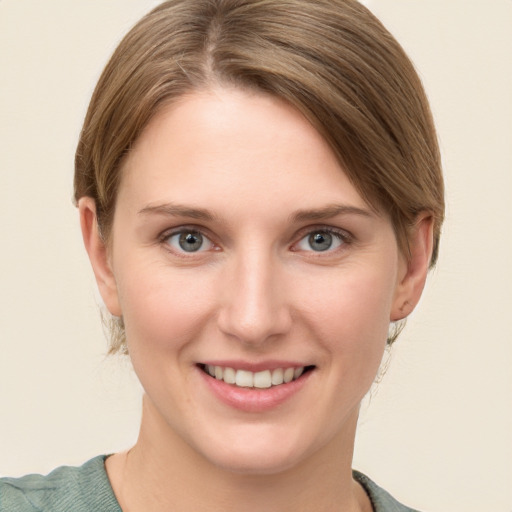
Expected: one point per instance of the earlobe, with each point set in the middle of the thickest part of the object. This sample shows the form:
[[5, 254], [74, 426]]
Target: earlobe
[[98, 255], [413, 274]]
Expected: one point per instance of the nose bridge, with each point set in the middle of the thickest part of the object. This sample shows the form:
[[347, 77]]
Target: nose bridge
[[255, 304]]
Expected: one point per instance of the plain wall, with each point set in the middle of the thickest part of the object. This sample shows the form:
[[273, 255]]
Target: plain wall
[[437, 432]]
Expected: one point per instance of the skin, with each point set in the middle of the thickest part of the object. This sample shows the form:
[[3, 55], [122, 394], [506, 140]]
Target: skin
[[256, 291]]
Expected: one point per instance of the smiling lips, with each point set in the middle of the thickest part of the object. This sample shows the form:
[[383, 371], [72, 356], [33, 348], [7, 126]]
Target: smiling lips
[[258, 391], [261, 380]]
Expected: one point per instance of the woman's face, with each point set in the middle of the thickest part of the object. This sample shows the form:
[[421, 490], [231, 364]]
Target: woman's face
[[240, 248]]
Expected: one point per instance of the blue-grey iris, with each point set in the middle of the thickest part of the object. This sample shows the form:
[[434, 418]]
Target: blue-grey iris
[[191, 242], [320, 241]]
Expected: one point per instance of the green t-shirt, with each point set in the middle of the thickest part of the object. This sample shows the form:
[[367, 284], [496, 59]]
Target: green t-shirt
[[66, 489], [87, 489]]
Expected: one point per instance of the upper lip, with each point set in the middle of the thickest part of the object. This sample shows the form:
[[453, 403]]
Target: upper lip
[[254, 366]]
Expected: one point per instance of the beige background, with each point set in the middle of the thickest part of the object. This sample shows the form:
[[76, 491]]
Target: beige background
[[437, 433]]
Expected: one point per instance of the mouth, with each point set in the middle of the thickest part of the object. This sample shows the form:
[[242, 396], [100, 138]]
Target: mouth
[[264, 379]]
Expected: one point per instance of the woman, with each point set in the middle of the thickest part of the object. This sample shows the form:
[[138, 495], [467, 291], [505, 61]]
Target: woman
[[260, 196]]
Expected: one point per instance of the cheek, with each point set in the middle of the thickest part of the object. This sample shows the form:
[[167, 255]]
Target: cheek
[[350, 314], [162, 308]]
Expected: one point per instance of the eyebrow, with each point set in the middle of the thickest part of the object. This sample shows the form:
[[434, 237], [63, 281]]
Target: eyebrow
[[177, 210], [328, 212]]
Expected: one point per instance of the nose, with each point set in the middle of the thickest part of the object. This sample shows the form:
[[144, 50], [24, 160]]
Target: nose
[[255, 306]]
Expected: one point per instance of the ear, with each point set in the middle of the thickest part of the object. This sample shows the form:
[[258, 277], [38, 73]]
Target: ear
[[98, 255], [413, 270]]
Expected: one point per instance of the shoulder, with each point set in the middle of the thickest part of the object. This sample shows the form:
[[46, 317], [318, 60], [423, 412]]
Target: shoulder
[[381, 500], [66, 489]]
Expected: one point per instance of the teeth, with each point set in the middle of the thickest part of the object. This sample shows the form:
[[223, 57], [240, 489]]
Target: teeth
[[298, 372], [277, 377], [244, 379], [288, 374], [229, 375], [262, 380]]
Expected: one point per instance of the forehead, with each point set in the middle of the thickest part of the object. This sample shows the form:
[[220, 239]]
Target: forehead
[[227, 146]]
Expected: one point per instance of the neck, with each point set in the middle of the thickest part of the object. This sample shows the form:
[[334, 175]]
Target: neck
[[162, 472]]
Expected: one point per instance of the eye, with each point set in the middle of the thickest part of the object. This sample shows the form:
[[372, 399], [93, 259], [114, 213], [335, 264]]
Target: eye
[[321, 240], [188, 241]]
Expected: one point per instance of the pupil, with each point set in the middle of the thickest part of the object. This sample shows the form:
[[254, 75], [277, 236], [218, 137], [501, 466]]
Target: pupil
[[320, 241], [191, 242]]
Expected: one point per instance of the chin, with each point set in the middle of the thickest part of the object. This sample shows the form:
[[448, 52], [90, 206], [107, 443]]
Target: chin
[[269, 463], [259, 453]]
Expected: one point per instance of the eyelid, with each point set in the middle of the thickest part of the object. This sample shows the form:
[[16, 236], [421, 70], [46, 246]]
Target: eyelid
[[167, 232], [188, 228], [345, 236]]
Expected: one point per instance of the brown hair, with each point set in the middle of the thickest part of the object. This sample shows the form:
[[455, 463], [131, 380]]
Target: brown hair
[[331, 59]]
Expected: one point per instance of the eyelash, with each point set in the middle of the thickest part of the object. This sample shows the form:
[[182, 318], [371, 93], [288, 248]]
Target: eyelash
[[164, 238], [342, 236]]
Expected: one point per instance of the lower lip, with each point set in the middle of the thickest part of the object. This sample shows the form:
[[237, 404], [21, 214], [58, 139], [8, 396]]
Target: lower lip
[[253, 399]]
